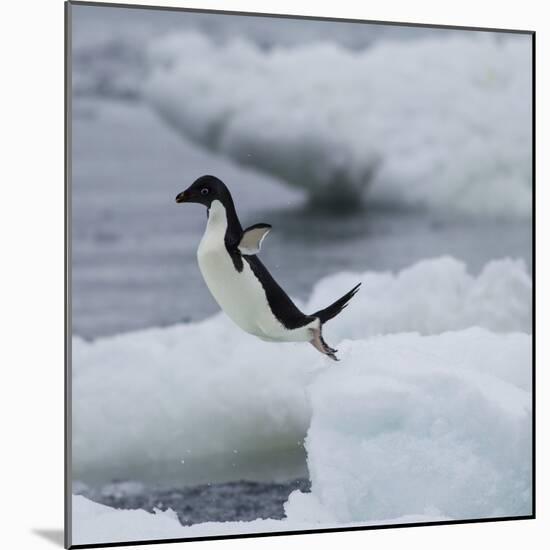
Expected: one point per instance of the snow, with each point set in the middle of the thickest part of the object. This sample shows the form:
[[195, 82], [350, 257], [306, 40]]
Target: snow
[[448, 126], [430, 297], [406, 428], [414, 424], [96, 523], [197, 392]]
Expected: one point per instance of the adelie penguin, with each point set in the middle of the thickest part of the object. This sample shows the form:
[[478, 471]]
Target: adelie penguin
[[239, 281]]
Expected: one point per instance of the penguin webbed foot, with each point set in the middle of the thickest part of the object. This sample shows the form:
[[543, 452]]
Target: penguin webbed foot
[[319, 344]]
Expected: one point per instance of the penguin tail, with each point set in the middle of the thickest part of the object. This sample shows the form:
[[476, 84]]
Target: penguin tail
[[335, 308]]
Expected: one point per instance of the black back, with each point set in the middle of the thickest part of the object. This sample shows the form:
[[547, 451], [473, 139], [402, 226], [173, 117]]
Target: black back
[[279, 302]]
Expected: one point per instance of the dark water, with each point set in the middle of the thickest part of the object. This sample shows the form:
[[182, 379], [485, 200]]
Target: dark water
[[234, 501]]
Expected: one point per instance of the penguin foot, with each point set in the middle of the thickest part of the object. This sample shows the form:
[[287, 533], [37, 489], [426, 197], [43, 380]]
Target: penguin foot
[[319, 344]]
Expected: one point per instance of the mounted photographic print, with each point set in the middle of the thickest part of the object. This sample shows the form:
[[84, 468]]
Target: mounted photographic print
[[300, 263]]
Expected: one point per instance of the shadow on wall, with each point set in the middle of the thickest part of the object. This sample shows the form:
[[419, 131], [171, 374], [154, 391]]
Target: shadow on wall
[[52, 535]]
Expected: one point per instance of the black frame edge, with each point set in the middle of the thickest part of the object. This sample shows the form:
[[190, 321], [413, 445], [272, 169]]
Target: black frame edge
[[534, 255], [67, 512]]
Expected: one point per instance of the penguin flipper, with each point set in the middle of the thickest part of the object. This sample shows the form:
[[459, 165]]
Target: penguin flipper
[[252, 238]]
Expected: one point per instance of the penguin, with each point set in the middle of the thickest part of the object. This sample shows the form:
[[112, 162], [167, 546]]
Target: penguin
[[241, 284]]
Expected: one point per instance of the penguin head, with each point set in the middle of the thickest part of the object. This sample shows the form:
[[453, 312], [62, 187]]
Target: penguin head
[[205, 190]]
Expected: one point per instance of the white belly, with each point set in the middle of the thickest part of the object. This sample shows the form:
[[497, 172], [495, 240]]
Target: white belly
[[239, 294]]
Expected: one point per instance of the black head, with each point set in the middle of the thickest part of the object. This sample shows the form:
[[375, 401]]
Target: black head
[[204, 190]]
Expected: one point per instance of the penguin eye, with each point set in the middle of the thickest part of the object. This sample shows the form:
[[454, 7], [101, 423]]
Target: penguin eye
[[205, 191]]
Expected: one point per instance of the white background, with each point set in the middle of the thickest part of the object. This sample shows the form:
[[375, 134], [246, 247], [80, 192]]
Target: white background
[[31, 256]]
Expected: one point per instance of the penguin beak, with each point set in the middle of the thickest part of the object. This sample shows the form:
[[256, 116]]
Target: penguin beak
[[183, 197]]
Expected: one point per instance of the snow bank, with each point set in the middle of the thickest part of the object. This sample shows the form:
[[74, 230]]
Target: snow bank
[[187, 394], [96, 523], [409, 424], [430, 297], [409, 427], [442, 122], [194, 395]]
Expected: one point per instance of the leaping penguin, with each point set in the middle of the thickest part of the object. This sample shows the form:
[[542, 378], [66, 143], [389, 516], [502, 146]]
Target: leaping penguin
[[239, 281]]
